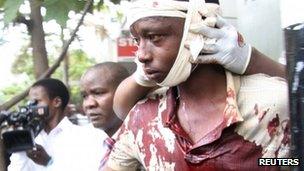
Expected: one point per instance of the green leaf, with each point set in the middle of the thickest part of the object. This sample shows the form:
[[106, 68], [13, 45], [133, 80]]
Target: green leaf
[[79, 62], [56, 9], [59, 9], [23, 63], [119, 16], [2, 3], [99, 4], [11, 8], [78, 6], [11, 91]]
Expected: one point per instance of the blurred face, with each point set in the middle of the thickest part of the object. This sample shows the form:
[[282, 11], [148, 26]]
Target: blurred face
[[40, 95], [98, 92], [158, 40]]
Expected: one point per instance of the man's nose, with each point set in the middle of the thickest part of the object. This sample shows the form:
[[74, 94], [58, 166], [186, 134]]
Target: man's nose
[[143, 53], [89, 102]]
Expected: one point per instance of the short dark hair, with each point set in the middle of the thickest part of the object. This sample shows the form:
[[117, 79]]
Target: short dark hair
[[54, 88], [116, 71]]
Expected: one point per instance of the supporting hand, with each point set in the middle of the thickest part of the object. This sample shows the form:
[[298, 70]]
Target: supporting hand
[[229, 49]]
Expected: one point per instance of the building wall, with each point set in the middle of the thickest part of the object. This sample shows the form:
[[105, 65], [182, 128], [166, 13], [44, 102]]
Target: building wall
[[292, 12], [259, 21], [229, 11]]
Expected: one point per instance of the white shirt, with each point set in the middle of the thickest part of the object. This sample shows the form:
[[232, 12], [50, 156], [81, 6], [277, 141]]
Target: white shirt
[[72, 148]]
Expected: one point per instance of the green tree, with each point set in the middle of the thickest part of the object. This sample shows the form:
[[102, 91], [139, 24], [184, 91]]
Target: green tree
[[24, 64], [78, 63], [55, 9]]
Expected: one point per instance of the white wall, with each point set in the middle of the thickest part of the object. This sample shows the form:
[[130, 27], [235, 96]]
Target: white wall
[[229, 11], [259, 22], [292, 12]]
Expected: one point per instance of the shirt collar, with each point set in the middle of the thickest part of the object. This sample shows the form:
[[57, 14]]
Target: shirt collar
[[62, 125]]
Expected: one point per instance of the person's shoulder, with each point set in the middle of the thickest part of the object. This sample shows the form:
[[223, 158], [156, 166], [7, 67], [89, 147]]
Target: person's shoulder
[[148, 109], [86, 133], [264, 91], [156, 94], [90, 130], [262, 82], [150, 101], [263, 103]]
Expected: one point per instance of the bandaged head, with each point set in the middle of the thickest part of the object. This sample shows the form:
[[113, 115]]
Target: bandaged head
[[181, 68]]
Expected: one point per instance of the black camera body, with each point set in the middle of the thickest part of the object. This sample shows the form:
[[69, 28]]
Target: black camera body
[[19, 128]]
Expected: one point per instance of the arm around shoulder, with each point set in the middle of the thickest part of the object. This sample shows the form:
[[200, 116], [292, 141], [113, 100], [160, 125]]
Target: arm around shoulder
[[260, 63], [126, 96]]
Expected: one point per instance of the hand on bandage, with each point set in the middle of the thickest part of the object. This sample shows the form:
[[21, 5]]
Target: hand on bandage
[[140, 77], [228, 49]]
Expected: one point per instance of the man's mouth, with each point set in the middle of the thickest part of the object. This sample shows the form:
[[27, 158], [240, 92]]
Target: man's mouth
[[94, 116], [152, 74]]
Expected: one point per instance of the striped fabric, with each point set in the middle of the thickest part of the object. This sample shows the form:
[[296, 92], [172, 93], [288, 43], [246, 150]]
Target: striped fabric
[[108, 144]]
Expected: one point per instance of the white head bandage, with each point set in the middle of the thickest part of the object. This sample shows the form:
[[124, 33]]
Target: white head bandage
[[181, 68]]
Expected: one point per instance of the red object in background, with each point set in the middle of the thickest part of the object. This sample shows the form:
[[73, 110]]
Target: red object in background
[[126, 47]]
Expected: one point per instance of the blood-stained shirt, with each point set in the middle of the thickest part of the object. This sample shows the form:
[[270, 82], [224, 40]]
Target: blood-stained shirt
[[255, 124]]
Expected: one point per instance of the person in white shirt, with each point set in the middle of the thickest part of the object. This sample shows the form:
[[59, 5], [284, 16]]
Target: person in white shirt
[[61, 145]]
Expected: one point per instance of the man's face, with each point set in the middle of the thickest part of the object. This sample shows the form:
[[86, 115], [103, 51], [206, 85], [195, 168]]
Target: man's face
[[158, 41], [98, 92], [40, 95]]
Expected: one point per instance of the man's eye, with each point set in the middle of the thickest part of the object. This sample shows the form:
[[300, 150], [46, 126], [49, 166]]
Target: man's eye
[[97, 93], [155, 37], [83, 96], [136, 40]]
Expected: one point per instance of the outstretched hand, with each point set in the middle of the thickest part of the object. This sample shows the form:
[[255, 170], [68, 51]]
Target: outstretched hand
[[39, 155], [228, 49]]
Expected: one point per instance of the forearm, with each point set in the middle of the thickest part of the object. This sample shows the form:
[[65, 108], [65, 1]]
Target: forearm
[[126, 96], [260, 63]]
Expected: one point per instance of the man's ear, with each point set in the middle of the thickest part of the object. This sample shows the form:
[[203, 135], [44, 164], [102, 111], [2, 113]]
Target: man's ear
[[57, 102]]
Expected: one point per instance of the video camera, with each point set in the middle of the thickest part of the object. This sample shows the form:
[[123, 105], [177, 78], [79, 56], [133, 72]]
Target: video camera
[[19, 128]]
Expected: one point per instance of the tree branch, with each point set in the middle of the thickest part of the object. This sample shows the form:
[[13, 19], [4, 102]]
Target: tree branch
[[50, 71]]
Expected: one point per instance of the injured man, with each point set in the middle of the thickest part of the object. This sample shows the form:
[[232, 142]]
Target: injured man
[[203, 116]]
